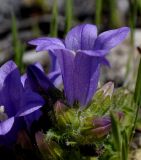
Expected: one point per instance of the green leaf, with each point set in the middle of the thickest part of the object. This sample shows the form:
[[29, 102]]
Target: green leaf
[[137, 93], [125, 146], [116, 133]]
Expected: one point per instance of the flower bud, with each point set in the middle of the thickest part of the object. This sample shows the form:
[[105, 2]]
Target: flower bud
[[107, 89], [102, 121], [65, 116], [49, 149], [102, 127], [120, 115], [24, 140], [59, 107]]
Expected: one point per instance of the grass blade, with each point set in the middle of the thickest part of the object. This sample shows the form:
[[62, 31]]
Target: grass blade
[[137, 93], [98, 12], [114, 19], [69, 14], [125, 146], [116, 133], [133, 17], [17, 45], [54, 21]]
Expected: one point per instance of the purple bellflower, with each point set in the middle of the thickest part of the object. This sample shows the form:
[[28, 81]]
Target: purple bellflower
[[80, 57], [15, 100]]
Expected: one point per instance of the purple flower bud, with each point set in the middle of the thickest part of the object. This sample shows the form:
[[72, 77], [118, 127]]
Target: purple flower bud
[[49, 149], [120, 115], [59, 107], [101, 131], [101, 122]]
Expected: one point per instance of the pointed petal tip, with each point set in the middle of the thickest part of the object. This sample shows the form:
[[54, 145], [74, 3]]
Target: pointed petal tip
[[6, 126], [124, 30], [32, 42], [112, 38]]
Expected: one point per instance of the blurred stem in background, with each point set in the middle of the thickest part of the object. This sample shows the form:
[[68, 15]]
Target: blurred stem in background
[[98, 12], [69, 14], [54, 20], [133, 17], [137, 97], [114, 18], [137, 100], [18, 47], [132, 23], [36, 30]]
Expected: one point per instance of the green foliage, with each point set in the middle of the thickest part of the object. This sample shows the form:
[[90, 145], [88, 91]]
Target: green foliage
[[19, 48], [116, 133], [117, 146], [76, 128], [102, 101], [137, 93], [54, 21], [137, 98], [125, 144]]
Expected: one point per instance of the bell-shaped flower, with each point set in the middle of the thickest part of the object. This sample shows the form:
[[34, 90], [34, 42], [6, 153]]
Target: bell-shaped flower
[[15, 100], [80, 57]]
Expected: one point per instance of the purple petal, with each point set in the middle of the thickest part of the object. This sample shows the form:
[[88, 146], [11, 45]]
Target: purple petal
[[111, 38], [10, 137], [53, 75], [105, 62], [29, 119], [86, 77], [101, 131], [45, 44], [96, 53], [12, 93], [81, 37], [5, 69], [55, 72], [54, 62], [27, 110], [38, 65], [66, 62], [102, 121], [23, 78], [6, 126], [56, 78], [31, 102], [37, 79]]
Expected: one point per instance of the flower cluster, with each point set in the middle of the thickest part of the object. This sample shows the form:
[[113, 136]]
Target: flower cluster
[[15, 102], [76, 63]]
